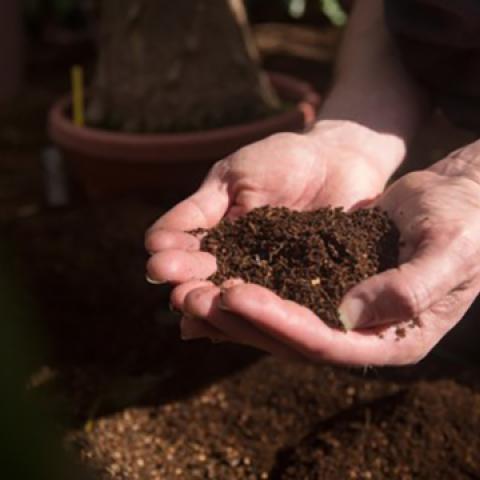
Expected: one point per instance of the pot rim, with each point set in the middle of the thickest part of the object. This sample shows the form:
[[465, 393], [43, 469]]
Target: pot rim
[[93, 140]]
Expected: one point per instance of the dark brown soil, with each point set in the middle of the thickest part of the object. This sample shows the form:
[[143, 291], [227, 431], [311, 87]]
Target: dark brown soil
[[312, 258], [144, 406], [288, 422], [231, 430], [430, 431]]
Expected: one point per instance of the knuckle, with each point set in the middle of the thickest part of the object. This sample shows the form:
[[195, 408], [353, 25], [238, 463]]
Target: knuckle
[[465, 246], [408, 298], [221, 167], [193, 298], [234, 295], [466, 155], [414, 183]]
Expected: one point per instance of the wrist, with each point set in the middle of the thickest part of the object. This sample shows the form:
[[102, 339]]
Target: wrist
[[382, 152]]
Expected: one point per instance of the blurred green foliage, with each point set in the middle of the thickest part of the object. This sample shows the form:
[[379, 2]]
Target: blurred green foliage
[[30, 448], [333, 10], [63, 10]]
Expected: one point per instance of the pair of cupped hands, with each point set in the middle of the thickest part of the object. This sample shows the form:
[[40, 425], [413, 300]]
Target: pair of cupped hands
[[436, 210]]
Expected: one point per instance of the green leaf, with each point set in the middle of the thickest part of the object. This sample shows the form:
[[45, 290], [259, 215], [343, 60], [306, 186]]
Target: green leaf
[[334, 11]]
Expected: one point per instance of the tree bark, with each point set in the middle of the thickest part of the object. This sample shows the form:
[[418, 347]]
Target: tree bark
[[177, 66]]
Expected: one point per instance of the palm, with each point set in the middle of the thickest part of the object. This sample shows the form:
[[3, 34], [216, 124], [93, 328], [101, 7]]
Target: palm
[[282, 170], [286, 170]]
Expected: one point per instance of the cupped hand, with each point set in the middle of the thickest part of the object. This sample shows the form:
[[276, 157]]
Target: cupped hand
[[335, 164], [303, 172], [393, 318], [438, 214]]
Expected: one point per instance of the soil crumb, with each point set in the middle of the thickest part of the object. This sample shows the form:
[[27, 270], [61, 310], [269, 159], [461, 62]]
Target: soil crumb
[[312, 258]]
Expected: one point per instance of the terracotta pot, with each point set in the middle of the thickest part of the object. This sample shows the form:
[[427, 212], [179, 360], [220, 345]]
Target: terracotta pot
[[11, 58], [173, 165]]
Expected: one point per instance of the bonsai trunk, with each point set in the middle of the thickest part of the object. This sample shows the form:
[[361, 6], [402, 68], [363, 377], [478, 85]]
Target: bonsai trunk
[[177, 66]]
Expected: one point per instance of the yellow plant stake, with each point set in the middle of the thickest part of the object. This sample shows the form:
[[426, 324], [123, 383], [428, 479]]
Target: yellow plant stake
[[78, 96]]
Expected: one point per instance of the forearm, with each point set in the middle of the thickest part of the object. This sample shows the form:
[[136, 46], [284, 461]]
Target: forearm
[[372, 91]]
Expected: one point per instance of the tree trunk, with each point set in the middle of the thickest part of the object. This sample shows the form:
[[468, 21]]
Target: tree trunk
[[176, 66]]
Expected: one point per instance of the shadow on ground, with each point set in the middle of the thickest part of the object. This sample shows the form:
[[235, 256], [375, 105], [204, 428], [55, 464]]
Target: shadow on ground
[[113, 340]]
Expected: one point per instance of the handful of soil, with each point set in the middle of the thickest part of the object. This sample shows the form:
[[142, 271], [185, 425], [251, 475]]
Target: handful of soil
[[312, 258]]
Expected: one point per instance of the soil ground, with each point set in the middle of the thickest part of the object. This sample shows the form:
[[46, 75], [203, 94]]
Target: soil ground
[[140, 404]]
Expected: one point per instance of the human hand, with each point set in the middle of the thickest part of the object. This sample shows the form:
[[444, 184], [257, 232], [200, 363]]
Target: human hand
[[335, 164], [438, 214], [332, 165]]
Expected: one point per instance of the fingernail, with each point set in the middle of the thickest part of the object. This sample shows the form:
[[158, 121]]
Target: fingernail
[[151, 281], [353, 313]]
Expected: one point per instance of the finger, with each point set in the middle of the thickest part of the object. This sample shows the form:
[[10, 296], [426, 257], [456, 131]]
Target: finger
[[205, 303], [194, 328], [403, 293], [204, 209], [179, 293], [299, 328], [178, 266], [163, 239], [231, 282]]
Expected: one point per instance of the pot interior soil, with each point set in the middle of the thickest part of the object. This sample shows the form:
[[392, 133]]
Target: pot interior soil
[[312, 258]]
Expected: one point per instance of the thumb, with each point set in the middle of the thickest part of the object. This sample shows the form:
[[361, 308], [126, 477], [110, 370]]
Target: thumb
[[203, 209], [403, 293]]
